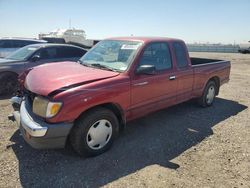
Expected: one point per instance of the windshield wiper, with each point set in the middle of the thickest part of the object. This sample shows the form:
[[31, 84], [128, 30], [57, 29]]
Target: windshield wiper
[[80, 61], [103, 67], [84, 64], [97, 65]]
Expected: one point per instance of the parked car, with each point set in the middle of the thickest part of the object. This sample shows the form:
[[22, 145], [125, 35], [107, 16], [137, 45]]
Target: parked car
[[244, 48], [244, 51], [31, 56], [118, 80], [9, 45]]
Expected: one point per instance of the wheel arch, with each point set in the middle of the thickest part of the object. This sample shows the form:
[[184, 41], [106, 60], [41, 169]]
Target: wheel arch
[[115, 108], [8, 82], [216, 80], [8, 72]]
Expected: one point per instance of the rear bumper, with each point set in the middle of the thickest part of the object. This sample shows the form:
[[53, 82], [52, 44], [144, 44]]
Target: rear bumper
[[38, 133]]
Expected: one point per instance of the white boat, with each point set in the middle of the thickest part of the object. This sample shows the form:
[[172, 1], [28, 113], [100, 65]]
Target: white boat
[[70, 36]]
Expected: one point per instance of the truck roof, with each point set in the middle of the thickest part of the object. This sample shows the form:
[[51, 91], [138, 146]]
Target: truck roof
[[145, 39]]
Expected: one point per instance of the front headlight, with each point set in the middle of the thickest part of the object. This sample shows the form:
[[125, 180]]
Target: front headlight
[[45, 108]]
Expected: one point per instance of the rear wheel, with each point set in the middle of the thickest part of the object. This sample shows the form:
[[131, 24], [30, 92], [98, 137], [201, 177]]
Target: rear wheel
[[208, 95], [8, 83], [94, 132]]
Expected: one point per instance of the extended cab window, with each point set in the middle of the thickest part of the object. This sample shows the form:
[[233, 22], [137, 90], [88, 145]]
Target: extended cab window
[[157, 54], [180, 54]]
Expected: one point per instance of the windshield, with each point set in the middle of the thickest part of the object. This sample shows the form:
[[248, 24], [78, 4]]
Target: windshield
[[113, 55], [22, 53]]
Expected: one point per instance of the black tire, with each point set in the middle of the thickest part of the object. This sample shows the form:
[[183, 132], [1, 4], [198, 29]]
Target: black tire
[[203, 100], [79, 134], [8, 83]]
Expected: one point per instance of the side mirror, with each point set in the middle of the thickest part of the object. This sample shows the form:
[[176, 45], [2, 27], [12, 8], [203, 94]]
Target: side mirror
[[146, 69], [35, 58]]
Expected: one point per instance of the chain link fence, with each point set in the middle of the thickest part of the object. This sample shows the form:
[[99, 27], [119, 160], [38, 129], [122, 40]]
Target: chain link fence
[[213, 48]]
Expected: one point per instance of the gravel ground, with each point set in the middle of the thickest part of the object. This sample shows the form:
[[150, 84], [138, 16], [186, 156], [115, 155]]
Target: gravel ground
[[182, 146]]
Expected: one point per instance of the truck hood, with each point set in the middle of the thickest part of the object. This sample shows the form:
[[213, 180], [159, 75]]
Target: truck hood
[[48, 78]]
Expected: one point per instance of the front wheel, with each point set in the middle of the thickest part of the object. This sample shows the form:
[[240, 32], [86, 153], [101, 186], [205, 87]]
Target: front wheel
[[94, 132], [208, 95], [8, 83]]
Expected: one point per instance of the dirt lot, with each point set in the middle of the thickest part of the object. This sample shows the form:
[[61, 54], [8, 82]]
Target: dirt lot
[[182, 146]]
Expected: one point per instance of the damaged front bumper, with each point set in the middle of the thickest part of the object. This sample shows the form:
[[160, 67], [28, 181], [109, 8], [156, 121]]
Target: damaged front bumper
[[36, 132]]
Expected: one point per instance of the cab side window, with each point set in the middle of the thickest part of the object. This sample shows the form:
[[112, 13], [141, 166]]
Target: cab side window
[[180, 54], [157, 54], [70, 52], [48, 53]]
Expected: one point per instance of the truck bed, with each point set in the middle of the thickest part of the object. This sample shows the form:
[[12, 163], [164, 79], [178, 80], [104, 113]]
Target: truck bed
[[205, 69], [201, 61]]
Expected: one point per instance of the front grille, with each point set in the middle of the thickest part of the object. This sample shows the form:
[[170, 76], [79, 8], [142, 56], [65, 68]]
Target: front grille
[[29, 97]]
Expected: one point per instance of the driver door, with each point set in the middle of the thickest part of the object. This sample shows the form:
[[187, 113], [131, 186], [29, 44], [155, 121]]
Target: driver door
[[152, 92]]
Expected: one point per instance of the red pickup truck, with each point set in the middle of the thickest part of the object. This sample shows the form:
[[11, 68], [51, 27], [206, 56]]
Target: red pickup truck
[[87, 103]]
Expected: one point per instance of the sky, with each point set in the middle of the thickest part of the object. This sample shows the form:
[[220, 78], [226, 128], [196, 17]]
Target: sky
[[202, 21]]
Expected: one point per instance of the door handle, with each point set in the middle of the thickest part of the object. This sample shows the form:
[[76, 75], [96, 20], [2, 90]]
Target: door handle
[[141, 84], [172, 77]]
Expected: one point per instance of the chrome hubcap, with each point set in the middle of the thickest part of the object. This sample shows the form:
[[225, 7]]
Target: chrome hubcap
[[210, 94], [99, 134]]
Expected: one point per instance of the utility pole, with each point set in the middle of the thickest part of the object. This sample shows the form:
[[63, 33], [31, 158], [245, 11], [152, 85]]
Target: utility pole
[[69, 23]]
